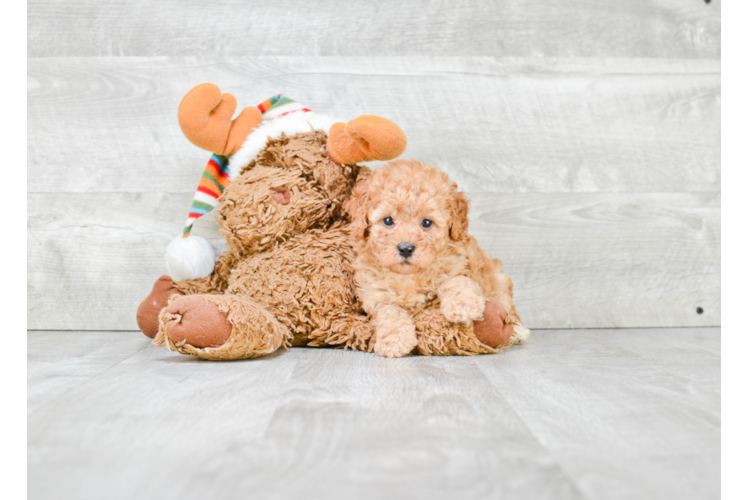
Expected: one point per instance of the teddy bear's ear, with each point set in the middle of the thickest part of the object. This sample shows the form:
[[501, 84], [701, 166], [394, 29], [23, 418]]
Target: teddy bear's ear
[[459, 206], [357, 207], [205, 118]]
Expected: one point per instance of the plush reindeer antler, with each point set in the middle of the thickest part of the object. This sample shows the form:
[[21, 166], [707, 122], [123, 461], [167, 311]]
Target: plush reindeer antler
[[205, 117], [365, 138]]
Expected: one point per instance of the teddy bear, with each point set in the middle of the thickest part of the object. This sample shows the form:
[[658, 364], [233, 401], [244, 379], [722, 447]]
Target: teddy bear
[[279, 179]]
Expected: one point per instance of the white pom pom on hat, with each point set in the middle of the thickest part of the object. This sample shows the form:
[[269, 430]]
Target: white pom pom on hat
[[190, 258]]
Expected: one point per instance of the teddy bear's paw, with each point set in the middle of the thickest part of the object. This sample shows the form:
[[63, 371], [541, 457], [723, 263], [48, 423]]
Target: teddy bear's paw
[[397, 343], [462, 306], [199, 323], [149, 309], [492, 329], [520, 334]]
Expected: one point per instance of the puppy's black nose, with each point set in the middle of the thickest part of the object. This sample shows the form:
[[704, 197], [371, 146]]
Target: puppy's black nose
[[406, 249]]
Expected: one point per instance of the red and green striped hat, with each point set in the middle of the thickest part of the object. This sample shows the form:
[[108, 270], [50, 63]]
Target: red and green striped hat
[[279, 105], [214, 181]]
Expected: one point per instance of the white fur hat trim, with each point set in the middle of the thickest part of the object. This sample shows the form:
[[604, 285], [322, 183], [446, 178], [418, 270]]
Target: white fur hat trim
[[293, 123]]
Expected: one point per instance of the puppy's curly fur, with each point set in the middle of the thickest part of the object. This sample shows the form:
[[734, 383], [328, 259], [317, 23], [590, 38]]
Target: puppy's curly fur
[[410, 230]]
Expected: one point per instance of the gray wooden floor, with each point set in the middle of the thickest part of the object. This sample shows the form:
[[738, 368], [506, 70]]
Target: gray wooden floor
[[573, 414]]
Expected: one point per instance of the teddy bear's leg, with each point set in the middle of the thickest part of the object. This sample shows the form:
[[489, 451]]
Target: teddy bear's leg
[[220, 327], [492, 330], [437, 336], [351, 331], [149, 309], [504, 294], [165, 287]]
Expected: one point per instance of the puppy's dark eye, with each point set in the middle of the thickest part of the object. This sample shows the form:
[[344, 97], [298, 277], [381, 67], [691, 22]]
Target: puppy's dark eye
[[388, 222], [425, 223]]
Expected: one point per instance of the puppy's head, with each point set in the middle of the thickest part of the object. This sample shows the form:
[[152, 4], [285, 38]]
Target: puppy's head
[[405, 214]]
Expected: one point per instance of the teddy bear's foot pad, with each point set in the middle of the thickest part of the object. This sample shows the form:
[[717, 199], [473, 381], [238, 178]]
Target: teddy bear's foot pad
[[149, 309], [199, 323], [492, 330], [220, 327]]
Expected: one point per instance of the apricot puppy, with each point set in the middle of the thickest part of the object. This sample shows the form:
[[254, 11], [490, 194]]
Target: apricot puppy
[[409, 225]]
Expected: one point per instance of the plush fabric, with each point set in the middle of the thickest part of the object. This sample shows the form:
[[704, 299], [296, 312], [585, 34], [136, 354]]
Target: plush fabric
[[279, 105], [366, 138], [290, 124], [189, 258], [205, 119], [254, 330], [200, 321], [492, 331], [213, 183], [147, 315]]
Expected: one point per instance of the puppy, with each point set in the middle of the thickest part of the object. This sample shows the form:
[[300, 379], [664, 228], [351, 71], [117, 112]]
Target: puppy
[[409, 224]]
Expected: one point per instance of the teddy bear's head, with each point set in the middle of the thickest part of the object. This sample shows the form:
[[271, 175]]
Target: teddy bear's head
[[290, 187], [288, 184]]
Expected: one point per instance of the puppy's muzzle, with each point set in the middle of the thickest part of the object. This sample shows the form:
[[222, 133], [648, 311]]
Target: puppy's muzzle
[[406, 249]]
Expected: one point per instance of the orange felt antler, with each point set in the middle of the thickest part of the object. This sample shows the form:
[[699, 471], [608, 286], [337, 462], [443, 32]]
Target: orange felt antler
[[205, 118], [365, 138]]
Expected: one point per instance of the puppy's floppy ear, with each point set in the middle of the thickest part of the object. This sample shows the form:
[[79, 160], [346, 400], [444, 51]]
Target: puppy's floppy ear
[[458, 224], [357, 207]]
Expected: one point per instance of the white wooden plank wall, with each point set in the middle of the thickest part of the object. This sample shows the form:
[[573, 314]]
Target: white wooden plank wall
[[665, 29], [587, 133]]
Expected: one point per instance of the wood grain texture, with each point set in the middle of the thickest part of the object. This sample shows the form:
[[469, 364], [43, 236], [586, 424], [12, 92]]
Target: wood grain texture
[[538, 28], [577, 260], [732, 108], [733, 261], [572, 414], [495, 125], [587, 395]]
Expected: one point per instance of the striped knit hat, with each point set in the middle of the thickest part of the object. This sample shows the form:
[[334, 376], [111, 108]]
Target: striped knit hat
[[212, 184], [279, 105], [193, 257]]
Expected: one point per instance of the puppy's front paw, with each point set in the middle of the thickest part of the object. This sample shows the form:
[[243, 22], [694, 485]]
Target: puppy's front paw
[[463, 306], [397, 343]]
